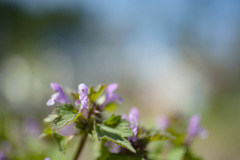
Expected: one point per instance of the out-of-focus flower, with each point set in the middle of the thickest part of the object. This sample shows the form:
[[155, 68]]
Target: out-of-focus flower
[[110, 95], [59, 96], [32, 127], [2, 156], [162, 122], [68, 130], [6, 146], [195, 129], [113, 147], [47, 158], [133, 119]]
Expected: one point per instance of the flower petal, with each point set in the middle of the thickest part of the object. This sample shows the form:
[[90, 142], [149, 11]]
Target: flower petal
[[56, 87], [111, 88], [82, 90], [50, 102]]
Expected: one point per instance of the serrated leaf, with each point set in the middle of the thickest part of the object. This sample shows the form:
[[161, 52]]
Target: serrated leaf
[[121, 125], [66, 113], [94, 94], [62, 141], [113, 135], [124, 128]]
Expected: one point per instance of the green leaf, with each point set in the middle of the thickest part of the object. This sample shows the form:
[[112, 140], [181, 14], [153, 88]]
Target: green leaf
[[106, 155], [46, 132], [50, 118], [158, 137], [176, 153], [179, 137], [148, 136], [113, 135], [104, 151], [62, 141], [124, 128], [75, 95], [110, 107], [190, 156], [120, 125], [113, 121], [66, 113], [93, 95]]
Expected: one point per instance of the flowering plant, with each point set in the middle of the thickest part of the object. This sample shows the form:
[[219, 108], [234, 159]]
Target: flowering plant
[[120, 136]]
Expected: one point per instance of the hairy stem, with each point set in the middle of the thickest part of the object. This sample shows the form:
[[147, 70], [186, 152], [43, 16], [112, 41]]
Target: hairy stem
[[80, 147], [84, 138]]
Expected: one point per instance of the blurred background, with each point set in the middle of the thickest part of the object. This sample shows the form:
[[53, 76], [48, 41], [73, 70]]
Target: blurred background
[[167, 56]]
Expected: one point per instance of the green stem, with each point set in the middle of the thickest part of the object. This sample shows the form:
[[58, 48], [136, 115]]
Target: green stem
[[84, 138], [80, 147]]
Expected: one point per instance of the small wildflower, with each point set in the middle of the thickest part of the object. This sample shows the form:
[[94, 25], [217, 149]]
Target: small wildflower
[[162, 122], [133, 119], [32, 127], [2, 156], [195, 129], [59, 96], [83, 95], [110, 95]]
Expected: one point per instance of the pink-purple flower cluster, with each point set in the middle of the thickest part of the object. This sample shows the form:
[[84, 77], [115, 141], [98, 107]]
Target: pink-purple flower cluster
[[61, 98]]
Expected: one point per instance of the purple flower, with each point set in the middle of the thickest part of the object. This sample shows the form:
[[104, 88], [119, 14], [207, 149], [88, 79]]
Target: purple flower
[[162, 122], [32, 127], [47, 158], [2, 156], [133, 119], [110, 95], [195, 129], [6, 146], [59, 96], [83, 95], [68, 130]]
